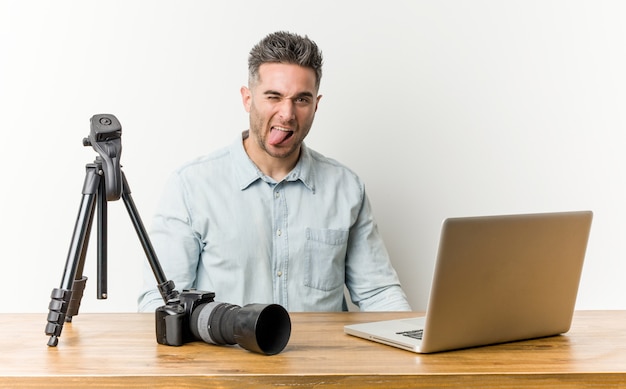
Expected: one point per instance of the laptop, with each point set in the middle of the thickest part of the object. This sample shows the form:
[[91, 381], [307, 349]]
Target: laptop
[[497, 279]]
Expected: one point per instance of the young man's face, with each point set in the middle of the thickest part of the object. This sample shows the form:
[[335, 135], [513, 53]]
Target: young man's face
[[282, 104]]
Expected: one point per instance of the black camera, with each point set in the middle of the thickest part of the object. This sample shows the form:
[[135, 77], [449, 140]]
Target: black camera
[[262, 328]]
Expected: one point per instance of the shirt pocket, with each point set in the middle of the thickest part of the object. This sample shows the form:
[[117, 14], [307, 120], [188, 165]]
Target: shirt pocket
[[325, 257]]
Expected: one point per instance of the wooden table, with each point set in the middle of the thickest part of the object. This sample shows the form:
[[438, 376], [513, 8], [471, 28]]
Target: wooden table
[[119, 350]]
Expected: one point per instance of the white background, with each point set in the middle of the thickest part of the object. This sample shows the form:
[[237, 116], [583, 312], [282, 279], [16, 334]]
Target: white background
[[445, 108]]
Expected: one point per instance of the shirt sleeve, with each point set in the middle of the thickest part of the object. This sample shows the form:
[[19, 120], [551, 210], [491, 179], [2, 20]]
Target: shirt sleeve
[[371, 280], [176, 244]]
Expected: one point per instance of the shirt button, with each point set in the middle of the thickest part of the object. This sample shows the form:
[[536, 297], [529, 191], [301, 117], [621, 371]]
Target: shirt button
[[277, 194], [279, 232], [279, 273]]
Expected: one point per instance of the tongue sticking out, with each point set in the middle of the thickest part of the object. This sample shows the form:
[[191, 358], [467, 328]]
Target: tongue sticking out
[[277, 136]]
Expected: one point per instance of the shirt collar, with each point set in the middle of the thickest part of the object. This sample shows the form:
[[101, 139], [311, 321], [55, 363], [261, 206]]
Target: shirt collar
[[247, 172]]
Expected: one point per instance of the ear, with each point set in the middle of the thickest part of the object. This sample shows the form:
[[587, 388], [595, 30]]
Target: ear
[[319, 97], [246, 98]]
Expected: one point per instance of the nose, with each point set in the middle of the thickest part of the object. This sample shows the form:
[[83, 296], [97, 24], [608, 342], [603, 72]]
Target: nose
[[287, 110]]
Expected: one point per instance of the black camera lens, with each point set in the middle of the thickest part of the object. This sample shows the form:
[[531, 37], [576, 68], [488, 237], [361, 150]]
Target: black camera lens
[[259, 328]]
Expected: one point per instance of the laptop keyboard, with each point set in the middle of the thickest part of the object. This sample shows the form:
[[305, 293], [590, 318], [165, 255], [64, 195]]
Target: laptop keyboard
[[415, 334]]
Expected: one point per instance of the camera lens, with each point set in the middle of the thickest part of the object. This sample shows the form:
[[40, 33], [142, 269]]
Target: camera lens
[[259, 328]]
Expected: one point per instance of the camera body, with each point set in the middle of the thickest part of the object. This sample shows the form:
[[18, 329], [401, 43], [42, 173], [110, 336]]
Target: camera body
[[173, 320]]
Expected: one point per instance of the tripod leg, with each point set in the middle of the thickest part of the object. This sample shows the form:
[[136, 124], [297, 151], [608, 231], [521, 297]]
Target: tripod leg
[[62, 302], [166, 287]]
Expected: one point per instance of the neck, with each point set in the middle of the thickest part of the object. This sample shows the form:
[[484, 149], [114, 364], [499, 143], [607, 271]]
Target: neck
[[276, 168]]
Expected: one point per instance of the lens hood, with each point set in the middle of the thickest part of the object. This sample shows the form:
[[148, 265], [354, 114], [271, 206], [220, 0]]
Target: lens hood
[[263, 328]]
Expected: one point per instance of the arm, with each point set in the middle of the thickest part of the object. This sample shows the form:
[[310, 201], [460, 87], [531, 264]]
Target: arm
[[370, 277], [175, 243]]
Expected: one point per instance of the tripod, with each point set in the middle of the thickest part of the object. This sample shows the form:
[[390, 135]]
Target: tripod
[[103, 177]]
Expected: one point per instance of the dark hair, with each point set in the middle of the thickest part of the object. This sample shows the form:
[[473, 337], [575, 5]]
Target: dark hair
[[285, 47]]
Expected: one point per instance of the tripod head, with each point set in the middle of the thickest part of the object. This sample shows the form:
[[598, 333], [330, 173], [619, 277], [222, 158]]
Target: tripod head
[[106, 138]]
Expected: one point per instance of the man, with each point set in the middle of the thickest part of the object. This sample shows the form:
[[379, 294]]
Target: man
[[268, 220]]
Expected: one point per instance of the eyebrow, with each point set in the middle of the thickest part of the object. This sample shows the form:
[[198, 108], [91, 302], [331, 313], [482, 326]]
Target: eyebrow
[[276, 93]]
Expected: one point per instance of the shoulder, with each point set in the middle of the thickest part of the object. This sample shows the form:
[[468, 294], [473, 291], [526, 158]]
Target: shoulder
[[215, 161], [320, 161], [330, 170]]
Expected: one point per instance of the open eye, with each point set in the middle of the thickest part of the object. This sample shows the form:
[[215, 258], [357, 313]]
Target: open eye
[[302, 100]]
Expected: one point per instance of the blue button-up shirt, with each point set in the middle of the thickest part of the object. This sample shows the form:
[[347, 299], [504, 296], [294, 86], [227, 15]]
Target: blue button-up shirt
[[225, 227]]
